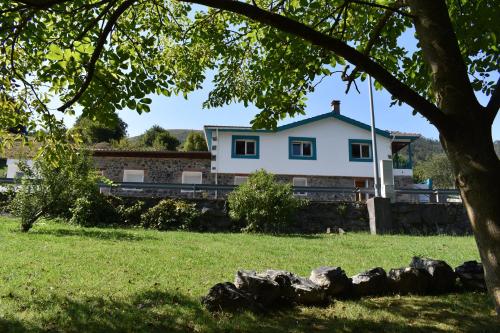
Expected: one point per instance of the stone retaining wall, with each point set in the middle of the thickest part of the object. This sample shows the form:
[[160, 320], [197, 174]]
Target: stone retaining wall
[[430, 218], [319, 217]]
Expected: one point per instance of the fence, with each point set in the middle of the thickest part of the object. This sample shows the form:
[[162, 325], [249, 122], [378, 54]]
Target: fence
[[310, 192]]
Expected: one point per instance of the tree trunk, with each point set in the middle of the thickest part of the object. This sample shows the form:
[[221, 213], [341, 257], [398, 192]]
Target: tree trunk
[[477, 170]]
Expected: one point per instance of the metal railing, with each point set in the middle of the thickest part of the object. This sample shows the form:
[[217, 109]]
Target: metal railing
[[400, 164]]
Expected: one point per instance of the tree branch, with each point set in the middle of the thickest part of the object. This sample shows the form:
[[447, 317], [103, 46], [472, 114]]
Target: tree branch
[[494, 102], [395, 9], [374, 35], [397, 88], [97, 53]]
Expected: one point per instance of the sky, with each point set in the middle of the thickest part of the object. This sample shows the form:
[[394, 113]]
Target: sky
[[176, 112]]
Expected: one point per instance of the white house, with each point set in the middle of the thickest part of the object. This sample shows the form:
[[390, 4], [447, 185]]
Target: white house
[[326, 150]]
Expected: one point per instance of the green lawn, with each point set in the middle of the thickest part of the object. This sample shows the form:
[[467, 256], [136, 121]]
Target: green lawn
[[68, 279]]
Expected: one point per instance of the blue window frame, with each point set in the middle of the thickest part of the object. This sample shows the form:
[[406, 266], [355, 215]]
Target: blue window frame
[[360, 150], [301, 148], [245, 146]]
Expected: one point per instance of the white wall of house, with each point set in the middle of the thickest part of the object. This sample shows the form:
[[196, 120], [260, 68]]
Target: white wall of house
[[332, 146], [12, 167]]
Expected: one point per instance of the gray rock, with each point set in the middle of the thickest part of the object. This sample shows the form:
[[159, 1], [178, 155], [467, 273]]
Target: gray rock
[[471, 275], [296, 289], [262, 288], [409, 280], [283, 278], [306, 292], [372, 282], [443, 277], [332, 279], [226, 297]]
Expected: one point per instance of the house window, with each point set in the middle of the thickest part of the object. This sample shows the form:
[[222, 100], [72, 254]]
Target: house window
[[191, 177], [133, 176], [245, 147], [238, 180], [302, 148], [300, 182], [360, 150]]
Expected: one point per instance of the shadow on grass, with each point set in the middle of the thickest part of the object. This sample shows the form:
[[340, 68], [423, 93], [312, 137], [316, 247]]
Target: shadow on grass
[[162, 311], [104, 234]]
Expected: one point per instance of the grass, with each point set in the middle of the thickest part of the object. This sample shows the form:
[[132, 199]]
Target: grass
[[61, 278]]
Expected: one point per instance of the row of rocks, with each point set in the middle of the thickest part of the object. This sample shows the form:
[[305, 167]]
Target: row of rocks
[[276, 288]]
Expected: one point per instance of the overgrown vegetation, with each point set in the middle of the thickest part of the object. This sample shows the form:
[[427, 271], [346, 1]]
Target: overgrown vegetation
[[263, 204], [438, 168], [195, 141], [51, 190], [94, 210], [92, 131], [170, 214]]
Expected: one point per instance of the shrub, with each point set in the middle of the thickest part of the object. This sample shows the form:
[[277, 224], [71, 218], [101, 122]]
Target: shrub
[[50, 189], [94, 211], [131, 215], [6, 199], [170, 214], [263, 204]]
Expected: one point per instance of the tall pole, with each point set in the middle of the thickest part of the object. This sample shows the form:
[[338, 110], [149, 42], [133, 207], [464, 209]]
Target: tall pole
[[374, 141]]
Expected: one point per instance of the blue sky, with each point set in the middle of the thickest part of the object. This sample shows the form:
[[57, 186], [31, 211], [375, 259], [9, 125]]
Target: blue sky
[[176, 112]]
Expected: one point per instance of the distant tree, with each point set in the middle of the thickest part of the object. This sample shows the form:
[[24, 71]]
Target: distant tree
[[95, 131], [159, 138], [438, 168], [195, 141]]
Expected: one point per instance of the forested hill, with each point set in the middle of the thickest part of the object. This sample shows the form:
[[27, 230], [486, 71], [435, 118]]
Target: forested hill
[[180, 134], [424, 148]]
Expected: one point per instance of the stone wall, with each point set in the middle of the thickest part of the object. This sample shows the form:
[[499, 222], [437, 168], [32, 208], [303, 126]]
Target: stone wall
[[430, 218], [156, 170], [319, 217]]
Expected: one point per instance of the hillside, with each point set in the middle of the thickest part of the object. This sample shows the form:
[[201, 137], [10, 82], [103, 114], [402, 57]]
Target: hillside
[[180, 134], [424, 148]]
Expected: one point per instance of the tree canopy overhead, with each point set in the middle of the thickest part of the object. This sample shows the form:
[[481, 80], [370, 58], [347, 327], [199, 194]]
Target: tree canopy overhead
[[110, 54]]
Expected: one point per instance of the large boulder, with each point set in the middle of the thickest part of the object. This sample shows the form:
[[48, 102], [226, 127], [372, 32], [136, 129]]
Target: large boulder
[[284, 279], [409, 280], [226, 297], [443, 277], [332, 279], [306, 292], [372, 282], [262, 288], [471, 275]]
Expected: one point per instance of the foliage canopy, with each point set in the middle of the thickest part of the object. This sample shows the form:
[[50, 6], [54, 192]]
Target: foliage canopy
[[95, 131], [195, 141]]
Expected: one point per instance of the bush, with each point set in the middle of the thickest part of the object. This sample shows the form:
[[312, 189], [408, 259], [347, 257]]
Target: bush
[[94, 211], [263, 204], [170, 214], [50, 189], [6, 198], [131, 215]]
